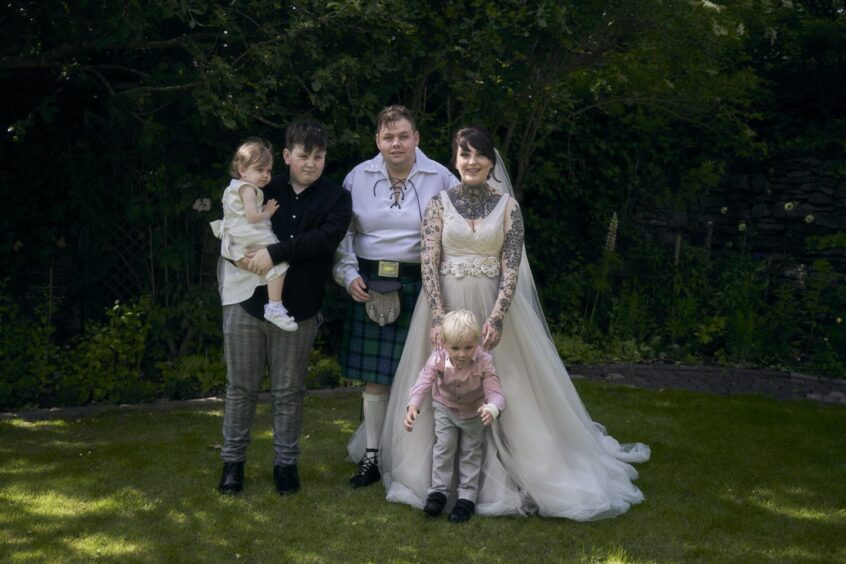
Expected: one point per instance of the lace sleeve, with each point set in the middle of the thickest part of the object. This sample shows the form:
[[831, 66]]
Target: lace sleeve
[[512, 252], [430, 256]]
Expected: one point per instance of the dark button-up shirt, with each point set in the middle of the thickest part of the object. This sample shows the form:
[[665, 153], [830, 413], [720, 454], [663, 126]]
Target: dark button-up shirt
[[309, 226]]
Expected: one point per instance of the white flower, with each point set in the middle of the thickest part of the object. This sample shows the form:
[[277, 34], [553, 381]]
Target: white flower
[[724, 210], [789, 206], [202, 204], [741, 226], [611, 238], [809, 218], [711, 5], [840, 320]]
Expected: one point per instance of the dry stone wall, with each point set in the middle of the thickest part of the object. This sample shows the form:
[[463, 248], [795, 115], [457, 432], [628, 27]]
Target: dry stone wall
[[770, 213]]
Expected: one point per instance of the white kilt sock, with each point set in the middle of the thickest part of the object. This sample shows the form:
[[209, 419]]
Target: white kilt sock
[[375, 408]]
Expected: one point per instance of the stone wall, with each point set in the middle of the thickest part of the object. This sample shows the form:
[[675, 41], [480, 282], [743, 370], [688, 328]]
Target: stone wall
[[769, 212]]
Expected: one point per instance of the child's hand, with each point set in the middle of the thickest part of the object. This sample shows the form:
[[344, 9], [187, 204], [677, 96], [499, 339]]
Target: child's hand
[[270, 207], [410, 415], [487, 416]]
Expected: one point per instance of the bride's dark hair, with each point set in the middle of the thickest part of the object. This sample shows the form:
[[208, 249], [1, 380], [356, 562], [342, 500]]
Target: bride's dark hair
[[477, 138]]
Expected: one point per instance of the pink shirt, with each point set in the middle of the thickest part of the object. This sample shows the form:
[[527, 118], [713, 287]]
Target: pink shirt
[[461, 389]]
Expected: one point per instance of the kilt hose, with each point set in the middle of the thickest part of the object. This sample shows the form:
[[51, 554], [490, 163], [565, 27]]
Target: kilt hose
[[372, 353]]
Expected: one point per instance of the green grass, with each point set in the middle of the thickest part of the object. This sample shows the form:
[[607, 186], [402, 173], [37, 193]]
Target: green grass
[[742, 479]]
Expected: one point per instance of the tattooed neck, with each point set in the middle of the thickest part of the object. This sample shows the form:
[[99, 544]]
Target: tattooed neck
[[474, 201]]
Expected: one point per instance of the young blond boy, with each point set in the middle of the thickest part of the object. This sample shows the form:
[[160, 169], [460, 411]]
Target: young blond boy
[[466, 397]]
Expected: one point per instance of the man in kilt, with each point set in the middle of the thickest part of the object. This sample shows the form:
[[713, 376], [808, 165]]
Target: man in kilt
[[389, 195]]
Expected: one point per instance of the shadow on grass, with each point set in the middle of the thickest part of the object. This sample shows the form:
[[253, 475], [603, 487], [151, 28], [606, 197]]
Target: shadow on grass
[[730, 479]]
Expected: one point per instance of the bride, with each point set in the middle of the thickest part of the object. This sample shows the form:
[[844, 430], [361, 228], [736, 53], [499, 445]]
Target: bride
[[544, 455]]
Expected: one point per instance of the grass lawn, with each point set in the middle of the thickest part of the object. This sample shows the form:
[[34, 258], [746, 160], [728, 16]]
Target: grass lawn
[[742, 479]]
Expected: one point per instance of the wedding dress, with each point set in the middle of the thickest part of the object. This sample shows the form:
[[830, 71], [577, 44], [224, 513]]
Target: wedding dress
[[544, 454]]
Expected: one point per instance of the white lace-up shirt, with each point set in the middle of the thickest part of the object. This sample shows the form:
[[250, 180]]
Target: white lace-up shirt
[[381, 229]]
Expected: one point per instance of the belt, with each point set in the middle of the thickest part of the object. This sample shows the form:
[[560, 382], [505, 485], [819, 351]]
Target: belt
[[406, 269]]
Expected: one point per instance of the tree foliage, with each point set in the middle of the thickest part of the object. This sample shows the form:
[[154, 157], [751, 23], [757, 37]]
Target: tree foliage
[[119, 117]]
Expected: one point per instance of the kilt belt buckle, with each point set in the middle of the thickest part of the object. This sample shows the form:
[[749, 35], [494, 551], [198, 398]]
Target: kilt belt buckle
[[389, 269]]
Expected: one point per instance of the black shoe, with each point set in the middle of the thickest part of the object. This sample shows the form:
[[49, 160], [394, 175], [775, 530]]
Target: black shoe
[[462, 511], [232, 480], [434, 504], [287, 479], [368, 470]]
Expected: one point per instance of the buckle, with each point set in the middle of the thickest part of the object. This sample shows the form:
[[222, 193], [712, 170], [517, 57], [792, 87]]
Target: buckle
[[389, 269]]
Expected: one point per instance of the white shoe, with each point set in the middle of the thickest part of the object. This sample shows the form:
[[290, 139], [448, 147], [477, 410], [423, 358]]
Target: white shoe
[[280, 318]]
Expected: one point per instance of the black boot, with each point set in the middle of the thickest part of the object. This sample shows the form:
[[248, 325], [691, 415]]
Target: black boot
[[287, 479], [462, 511], [368, 470], [232, 480], [434, 504]]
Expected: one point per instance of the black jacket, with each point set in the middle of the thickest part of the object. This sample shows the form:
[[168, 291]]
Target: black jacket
[[309, 226]]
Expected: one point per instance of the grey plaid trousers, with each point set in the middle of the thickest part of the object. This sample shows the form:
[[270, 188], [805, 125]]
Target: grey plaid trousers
[[250, 346]]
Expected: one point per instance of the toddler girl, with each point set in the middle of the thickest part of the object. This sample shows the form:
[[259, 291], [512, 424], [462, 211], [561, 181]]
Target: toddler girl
[[246, 227]]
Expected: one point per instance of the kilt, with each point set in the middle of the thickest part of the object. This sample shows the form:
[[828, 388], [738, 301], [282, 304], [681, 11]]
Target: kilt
[[372, 353]]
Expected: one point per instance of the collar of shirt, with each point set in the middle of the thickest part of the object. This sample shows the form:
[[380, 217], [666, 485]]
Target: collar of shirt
[[422, 164], [473, 360]]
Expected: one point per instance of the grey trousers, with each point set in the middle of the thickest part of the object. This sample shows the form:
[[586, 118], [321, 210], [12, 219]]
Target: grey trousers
[[465, 435], [250, 346]]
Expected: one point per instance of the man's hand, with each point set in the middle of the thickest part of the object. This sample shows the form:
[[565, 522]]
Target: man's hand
[[261, 262], [410, 415], [358, 290]]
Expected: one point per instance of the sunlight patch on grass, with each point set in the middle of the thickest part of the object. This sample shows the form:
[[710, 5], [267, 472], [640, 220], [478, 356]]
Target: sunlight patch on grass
[[299, 556], [410, 552], [28, 469], [178, 517], [41, 425], [52, 504], [100, 545], [772, 502], [56, 505], [789, 554], [613, 555], [27, 556], [345, 426]]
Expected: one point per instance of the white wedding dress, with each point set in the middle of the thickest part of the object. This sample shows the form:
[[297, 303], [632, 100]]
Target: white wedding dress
[[544, 454]]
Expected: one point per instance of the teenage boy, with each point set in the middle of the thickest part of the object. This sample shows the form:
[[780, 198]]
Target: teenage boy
[[389, 195], [313, 217]]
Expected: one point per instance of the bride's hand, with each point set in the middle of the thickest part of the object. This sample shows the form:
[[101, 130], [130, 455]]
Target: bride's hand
[[435, 337], [490, 336]]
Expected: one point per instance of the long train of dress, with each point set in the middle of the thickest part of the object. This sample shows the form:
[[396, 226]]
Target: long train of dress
[[544, 454]]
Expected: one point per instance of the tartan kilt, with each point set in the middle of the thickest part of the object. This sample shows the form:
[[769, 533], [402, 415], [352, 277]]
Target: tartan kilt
[[372, 353]]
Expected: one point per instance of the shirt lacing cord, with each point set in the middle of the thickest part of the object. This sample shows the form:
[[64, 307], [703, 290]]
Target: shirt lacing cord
[[398, 186]]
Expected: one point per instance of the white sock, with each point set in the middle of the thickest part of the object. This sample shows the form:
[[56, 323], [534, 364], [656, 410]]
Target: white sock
[[375, 408], [278, 307]]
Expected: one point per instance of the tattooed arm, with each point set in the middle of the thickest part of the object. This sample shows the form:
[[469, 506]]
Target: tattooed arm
[[512, 253], [430, 260]]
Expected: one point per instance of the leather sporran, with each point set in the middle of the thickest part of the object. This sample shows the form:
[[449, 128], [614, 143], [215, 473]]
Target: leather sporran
[[384, 305]]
